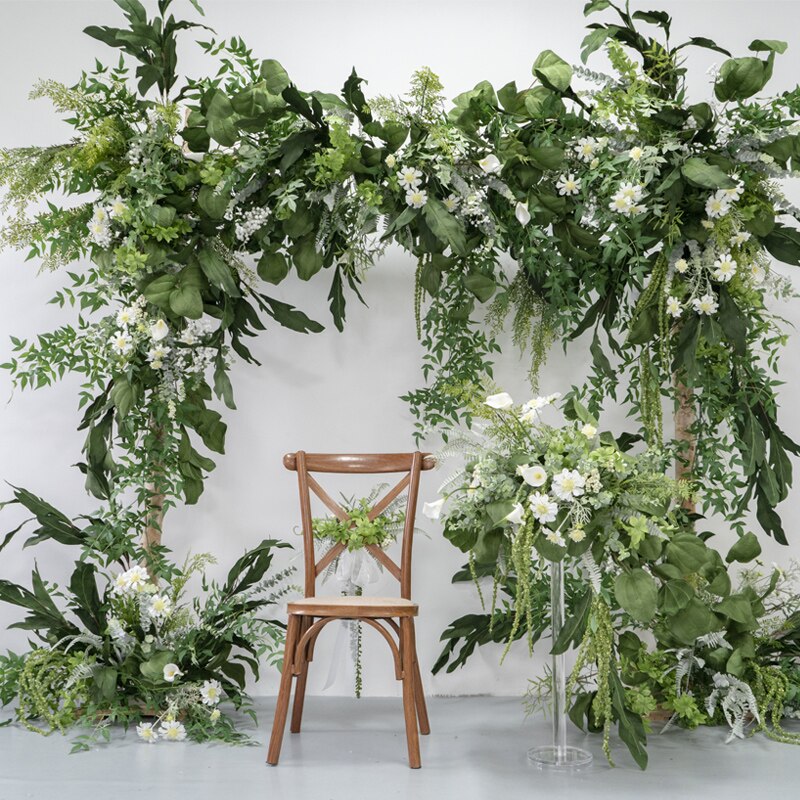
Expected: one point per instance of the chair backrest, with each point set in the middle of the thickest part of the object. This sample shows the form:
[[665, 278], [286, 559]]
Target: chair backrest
[[410, 463]]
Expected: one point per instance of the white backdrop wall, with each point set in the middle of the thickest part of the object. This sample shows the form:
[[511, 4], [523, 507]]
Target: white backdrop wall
[[331, 391]]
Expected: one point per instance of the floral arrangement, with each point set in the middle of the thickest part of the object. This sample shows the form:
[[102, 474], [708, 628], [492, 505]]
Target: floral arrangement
[[355, 568], [138, 648], [360, 528], [532, 494]]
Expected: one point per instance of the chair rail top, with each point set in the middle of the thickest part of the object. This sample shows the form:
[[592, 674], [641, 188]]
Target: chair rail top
[[358, 462]]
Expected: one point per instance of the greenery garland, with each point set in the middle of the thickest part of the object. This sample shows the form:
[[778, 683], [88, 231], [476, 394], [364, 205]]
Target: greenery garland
[[630, 213]]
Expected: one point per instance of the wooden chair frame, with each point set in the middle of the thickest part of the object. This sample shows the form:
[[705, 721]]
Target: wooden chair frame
[[393, 619]]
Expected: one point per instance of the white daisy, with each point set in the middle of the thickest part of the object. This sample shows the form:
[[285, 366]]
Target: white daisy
[[757, 274], [568, 484], [416, 198], [121, 343], [211, 692], [577, 534], [568, 184], [724, 268], [543, 508], [586, 148], [707, 304], [409, 177], [116, 208], [717, 205], [173, 731], [589, 431], [738, 239], [674, 308], [146, 732], [635, 153], [160, 606], [554, 537], [138, 578], [450, 203]]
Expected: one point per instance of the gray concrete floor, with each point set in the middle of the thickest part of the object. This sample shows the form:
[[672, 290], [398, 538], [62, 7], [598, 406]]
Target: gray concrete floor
[[354, 750]]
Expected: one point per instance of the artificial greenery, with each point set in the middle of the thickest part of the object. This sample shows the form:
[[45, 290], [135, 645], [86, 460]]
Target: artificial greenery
[[355, 568], [113, 644], [631, 214], [360, 528], [531, 494]]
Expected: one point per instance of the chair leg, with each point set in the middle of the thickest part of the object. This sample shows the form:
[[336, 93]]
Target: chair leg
[[300, 686], [282, 707], [419, 692], [409, 702]]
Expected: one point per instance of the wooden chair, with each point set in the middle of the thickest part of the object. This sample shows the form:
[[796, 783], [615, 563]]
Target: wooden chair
[[390, 616]]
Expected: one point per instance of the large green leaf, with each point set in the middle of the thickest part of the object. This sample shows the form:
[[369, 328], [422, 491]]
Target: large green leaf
[[740, 78], [746, 549], [220, 116], [637, 593], [217, 271], [674, 596], [552, 71], [153, 668], [687, 552], [445, 226], [694, 620], [708, 176], [274, 75]]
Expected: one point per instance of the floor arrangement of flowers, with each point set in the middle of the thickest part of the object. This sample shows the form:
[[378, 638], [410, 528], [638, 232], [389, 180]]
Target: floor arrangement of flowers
[[633, 216]]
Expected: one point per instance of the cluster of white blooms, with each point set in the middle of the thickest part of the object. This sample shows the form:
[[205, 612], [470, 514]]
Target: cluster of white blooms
[[132, 582], [136, 153], [195, 331], [410, 179], [100, 227], [170, 731], [134, 328], [251, 221], [474, 205], [626, 200], [719, 204]]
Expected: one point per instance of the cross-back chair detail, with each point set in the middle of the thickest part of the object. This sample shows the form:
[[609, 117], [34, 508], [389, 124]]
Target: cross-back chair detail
[[393, 618]]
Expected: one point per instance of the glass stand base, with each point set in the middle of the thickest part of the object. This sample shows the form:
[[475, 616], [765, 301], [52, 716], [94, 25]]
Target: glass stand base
[[560, 758]]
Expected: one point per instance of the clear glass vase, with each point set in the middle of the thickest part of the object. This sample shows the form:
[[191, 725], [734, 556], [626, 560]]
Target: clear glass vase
[[559, 755]]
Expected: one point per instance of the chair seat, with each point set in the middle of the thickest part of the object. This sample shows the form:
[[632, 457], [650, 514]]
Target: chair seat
[[346, 607]]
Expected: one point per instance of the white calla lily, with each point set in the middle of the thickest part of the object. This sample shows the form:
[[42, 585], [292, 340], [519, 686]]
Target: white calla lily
[[522, 213], [499, 401], [433, 510]]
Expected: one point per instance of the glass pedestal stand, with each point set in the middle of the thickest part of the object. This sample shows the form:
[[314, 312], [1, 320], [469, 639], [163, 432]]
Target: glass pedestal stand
[[558, 755]]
